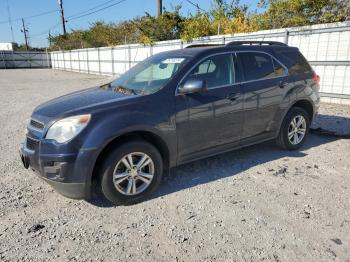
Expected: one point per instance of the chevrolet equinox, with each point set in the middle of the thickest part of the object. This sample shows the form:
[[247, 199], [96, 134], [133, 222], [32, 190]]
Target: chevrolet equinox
[[172, 108]]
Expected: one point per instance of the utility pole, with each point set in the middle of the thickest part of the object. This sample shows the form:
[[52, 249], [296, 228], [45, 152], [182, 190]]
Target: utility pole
[[60, 2], [159, 7], [49, 38], [24, 31], [10, 21]]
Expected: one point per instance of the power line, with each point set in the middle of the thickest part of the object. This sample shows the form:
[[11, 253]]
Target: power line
[[196, 5], [29, 17], [46, 30], [98, 10], [41, 14], [90, 9], [80, 14], [77, 15]]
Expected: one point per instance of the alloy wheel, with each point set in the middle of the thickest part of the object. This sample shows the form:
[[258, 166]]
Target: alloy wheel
[[133, 173], [297, 130]]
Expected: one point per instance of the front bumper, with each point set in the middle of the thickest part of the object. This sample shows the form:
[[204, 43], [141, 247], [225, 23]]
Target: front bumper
[[70, 190], [57, 170]]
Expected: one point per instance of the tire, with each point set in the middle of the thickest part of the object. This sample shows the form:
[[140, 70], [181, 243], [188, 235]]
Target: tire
[[284, 139], [117, 165]]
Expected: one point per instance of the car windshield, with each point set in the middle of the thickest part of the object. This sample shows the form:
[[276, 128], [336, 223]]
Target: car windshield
[[150, 75]]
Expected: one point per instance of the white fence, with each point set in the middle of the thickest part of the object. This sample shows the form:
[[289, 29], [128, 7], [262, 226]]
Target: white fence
[[326, 46], [10, 59]]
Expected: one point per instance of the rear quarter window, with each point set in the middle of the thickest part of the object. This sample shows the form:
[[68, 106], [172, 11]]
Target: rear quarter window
[[279, 69], [296, 63]]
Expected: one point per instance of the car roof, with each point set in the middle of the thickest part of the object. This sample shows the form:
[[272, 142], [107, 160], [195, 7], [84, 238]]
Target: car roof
[[202, 49]]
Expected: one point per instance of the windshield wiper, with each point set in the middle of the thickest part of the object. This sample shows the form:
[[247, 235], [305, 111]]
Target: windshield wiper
[[123, 90], [132, 91]]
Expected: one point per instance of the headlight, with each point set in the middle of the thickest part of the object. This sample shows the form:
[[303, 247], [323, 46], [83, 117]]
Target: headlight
[[67, 128]]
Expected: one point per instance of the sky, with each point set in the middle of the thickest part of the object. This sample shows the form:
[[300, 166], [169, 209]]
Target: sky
[[38, 27]]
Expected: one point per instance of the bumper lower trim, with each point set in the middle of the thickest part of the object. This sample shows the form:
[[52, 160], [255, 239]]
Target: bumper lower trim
[[70, 190]]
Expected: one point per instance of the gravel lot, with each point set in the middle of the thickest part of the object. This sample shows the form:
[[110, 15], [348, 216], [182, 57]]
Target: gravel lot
[[259, 203]]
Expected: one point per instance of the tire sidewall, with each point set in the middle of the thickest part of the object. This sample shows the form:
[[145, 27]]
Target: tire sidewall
[[291, 114], [107, 185]]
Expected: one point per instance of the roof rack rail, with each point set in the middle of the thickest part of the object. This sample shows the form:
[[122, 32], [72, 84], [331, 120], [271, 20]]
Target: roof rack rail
[[237, 43], [202, 45]]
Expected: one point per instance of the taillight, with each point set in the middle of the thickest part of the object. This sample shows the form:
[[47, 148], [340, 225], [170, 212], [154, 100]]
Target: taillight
[[317, 79]]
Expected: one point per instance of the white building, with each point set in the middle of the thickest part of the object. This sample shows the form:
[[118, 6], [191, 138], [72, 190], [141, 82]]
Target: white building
[[6, 47]]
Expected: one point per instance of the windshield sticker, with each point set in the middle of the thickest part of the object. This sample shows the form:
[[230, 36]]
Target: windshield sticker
[[173, 60]]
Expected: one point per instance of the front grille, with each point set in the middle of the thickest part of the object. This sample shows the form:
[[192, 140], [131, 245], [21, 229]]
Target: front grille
[[36, 124], [32, 143]]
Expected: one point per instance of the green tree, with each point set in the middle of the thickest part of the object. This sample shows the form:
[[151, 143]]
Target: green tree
[[237, 19], [225, 17], [101, 34], [165, 27], [287, 13], [195, 26], [73, 40]]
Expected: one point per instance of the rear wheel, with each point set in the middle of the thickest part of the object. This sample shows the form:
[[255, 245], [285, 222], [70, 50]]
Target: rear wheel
[[131, 172], [295, 129]]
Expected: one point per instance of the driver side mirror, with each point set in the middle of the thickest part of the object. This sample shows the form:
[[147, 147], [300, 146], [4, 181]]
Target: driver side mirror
[[193, 86]]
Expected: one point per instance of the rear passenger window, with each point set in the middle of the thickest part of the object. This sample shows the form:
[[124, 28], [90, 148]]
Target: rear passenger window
[[296, 63], [217, 71], [256, 65]]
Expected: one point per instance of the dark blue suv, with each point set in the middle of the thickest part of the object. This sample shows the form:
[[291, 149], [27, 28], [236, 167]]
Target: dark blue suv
[[172, 108]]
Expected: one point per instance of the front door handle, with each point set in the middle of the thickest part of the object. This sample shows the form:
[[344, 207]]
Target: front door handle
[[232, 97], [282, 84]]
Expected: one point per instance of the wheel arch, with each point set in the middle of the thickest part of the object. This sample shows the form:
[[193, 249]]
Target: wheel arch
[[147, 136], [302, 103], [306, 105]]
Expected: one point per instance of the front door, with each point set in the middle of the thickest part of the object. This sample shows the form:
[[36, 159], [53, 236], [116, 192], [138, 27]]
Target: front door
[[213, 118]]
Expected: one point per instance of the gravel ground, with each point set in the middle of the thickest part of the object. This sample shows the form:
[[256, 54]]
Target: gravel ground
[[259, 203], [334, 118]]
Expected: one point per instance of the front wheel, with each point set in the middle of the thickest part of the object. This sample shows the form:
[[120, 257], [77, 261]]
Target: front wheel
[[131, 172], [295, 129]]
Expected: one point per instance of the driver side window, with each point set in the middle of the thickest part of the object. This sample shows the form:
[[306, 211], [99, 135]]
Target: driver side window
[[217, 70]]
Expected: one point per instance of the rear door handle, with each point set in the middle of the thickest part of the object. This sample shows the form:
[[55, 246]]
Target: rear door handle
[[233, 96], [282, 84]]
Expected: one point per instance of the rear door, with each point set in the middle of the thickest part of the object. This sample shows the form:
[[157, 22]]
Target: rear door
[[213, 118], [262, 88]]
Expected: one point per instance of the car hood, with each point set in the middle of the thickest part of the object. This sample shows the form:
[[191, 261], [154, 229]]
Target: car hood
[[79, 100]]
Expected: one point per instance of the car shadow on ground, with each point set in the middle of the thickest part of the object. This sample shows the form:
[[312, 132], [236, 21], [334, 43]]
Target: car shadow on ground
[[221, 166], [338, 126]]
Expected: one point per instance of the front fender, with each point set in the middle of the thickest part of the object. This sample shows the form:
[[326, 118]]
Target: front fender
[[108, 128]]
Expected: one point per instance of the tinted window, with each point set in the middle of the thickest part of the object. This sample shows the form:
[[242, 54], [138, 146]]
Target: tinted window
[[279, 69], [216, 71], [206, 67], [256, 65], [296, 63]]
